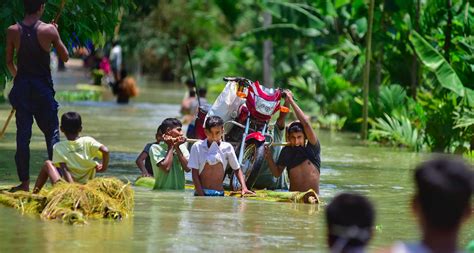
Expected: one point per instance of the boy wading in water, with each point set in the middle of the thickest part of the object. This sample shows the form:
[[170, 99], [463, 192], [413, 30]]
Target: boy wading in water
[[143, 160], [169, 157], [209, 159], [73, 159], [302, 157], [32, 95]]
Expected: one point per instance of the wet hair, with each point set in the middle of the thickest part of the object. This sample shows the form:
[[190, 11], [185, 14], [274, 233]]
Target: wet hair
[[168, 124], [213, 121], [444, 187], [32, 6], [349, 218], [295, 127], [71, 122], [202, 92]]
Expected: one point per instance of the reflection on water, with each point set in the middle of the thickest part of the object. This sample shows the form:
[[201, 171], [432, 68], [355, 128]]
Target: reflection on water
[[177, 221]]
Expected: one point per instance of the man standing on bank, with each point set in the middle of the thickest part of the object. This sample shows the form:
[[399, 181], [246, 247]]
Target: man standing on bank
[[32, 95]]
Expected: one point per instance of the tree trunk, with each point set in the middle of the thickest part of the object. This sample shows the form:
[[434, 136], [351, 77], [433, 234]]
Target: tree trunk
[[378, 65], [447, 39], [267, 53], [414, 64], [368, 56]]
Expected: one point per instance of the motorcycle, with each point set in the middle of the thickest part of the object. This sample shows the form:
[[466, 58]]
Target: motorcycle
[[246, 108]]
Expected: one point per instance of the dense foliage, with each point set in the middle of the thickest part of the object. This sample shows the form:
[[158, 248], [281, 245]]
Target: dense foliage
[[421, 85]]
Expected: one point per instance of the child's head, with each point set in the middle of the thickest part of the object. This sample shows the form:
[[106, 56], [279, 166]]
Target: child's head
[[71, 123], [295, 134], [172, 127], [444, 188], [190, 84], [202, 93], [350, 220], [214, 128]]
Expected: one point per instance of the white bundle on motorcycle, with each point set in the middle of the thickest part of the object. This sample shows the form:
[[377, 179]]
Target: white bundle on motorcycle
[[227, 103]]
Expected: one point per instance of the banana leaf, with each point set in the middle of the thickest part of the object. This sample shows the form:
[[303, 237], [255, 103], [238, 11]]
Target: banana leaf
[[436, 63]]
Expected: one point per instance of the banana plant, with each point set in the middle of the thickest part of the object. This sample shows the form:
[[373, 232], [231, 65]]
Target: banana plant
[[436, 63]]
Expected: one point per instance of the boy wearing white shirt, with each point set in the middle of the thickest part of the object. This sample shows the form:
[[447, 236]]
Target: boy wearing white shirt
[[209, 158]]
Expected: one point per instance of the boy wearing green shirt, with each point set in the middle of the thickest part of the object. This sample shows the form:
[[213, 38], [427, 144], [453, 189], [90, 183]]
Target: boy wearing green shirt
[[169, 157]]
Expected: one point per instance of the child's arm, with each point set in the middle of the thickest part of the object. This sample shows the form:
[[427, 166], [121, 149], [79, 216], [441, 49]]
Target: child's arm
[[140, 162], [105, 159], [197, 182], [64, 171], [166, 163], [182, 159], [193, 164], [305, 120], [240, 177], [274, 168], [280, 123]]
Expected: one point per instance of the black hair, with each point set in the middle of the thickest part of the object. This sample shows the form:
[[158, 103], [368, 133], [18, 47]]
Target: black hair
[[295, 127], [350, 217], [213, 121], [32, 6], [167, 124], [444, 187], [190, 83], [71, 122], [202, 92], [192, 93]]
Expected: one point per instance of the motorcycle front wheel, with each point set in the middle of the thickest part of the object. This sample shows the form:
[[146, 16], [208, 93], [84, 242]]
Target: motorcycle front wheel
[[251, 163]]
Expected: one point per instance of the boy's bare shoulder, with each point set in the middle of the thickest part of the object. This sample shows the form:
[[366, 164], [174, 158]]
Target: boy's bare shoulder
[[13, 31], [13, 28]]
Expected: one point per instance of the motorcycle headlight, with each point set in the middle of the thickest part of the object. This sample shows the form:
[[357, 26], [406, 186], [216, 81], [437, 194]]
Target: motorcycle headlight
[[264, 107]]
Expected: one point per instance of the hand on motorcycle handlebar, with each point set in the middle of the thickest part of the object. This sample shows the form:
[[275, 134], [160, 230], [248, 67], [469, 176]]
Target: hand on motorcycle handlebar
[[287, 95]]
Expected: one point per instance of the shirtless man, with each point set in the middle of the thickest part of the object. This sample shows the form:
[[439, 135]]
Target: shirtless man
[[32, 94], [209, 158], [302, 157]]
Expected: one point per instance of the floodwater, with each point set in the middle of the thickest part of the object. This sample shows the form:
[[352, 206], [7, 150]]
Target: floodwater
[[177, 221]]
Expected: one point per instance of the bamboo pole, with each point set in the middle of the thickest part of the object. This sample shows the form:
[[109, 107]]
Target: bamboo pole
[[266, 143], [61, 7], [2, 133]]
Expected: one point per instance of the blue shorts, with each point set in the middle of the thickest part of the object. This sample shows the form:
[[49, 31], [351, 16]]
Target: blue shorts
[[211, 193]]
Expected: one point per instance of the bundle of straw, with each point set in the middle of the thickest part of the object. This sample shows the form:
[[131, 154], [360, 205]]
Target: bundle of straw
[[129, 87], [72, 202]]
